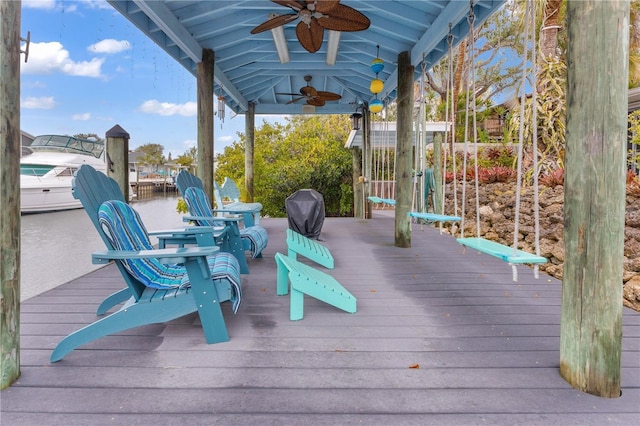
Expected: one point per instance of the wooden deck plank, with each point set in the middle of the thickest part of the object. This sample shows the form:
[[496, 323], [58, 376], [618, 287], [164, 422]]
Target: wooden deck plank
[[487, 348], [210, 402], [83, 419]]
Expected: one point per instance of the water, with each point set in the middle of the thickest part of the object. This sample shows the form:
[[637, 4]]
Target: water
[[56, 247]]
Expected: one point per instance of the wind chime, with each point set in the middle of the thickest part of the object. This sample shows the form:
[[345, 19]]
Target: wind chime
[[221, 106]]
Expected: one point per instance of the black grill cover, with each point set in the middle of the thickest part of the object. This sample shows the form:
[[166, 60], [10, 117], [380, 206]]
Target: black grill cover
[[305, 211]]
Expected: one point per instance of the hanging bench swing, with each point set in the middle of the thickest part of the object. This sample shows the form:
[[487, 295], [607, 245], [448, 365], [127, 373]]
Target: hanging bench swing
[[429, 180], [512, 254]]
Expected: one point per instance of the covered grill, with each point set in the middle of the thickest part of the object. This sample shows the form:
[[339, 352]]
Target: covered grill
[[305, 212]]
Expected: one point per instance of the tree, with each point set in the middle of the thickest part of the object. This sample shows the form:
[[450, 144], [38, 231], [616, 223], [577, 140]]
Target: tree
[[305, 152], [634, 45], [188, 158], [496, 44], [152, 154]]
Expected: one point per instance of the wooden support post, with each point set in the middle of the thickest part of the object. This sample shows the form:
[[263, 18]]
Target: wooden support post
[[205, 120], [591, 322], [404, 150], [118, 158], [358, 193], [366, 158], [249, 144], [10, 192]]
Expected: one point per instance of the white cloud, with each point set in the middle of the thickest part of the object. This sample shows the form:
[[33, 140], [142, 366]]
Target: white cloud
[[51, 57], [38, 103], [96, 4], [189, 143], [225, 139], [39, 4], [153, 106], [81, 117], [109, 46]]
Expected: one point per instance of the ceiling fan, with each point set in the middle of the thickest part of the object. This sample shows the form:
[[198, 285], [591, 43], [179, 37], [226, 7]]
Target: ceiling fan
[[311, 95], [316, 16]]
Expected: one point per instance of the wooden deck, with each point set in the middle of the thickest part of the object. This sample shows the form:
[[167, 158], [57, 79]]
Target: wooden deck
[[440, 337]]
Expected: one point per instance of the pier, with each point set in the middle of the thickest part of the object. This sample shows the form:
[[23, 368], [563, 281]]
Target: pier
[[440, 336]]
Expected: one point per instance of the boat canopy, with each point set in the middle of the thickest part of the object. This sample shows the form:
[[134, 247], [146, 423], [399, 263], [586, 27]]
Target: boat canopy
[[69, 144]]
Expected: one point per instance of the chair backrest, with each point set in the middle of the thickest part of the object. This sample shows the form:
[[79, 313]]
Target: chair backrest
[[230, 190], [122, 226], [186, 180], [198, 204], [93, 188]]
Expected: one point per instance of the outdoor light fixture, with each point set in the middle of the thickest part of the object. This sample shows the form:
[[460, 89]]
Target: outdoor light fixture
[[355, 120], [332, 47], [280, 41]]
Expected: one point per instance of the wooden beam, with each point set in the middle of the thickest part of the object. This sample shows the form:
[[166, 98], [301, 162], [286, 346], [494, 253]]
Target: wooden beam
[[250, 140], [10, 149], [366, 159], [591, 322], [118, 157], [404, 151], [358, 193], [205, 120]]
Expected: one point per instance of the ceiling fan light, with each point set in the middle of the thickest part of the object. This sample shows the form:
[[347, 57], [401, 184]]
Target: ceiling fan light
[[332, 47], [376, 86], [376, 106], [281, 44]]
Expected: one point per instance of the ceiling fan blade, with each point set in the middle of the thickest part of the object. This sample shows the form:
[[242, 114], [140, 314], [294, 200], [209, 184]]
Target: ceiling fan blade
[[315, 102], [329, 96], [309, 91], [288, 94], [324, 6], [344, 18], [310, 36], [295, 5], [295, 100], [274, 23]]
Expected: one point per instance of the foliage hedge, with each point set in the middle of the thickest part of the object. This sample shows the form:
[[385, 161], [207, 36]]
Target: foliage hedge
[[305, 152]]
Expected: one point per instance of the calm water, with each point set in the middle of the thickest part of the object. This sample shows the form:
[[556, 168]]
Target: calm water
[[56, 247]]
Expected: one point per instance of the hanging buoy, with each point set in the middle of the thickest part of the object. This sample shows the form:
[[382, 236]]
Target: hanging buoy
[[376, 106], [376, 86], [377, 65]]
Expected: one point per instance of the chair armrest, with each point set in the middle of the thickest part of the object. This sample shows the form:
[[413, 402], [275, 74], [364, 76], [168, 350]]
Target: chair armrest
[[168, 256], [189, 230], [237, 210], [213, 218]]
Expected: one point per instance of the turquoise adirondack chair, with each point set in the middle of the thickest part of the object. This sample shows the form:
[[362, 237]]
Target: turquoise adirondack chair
[[163, 284], [92, 188], [254, 238], [229, 191]]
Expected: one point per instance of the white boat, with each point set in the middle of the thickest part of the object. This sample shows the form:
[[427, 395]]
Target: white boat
[[46, 174]]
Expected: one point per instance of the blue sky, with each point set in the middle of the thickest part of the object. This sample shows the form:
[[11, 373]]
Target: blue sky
[[90, 69]]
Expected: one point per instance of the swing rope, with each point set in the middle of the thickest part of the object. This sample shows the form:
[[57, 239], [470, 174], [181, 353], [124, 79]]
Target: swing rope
[[383, 191], [420, 157], [471, 89], [509, 254], [449, 103], [417, 158]]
